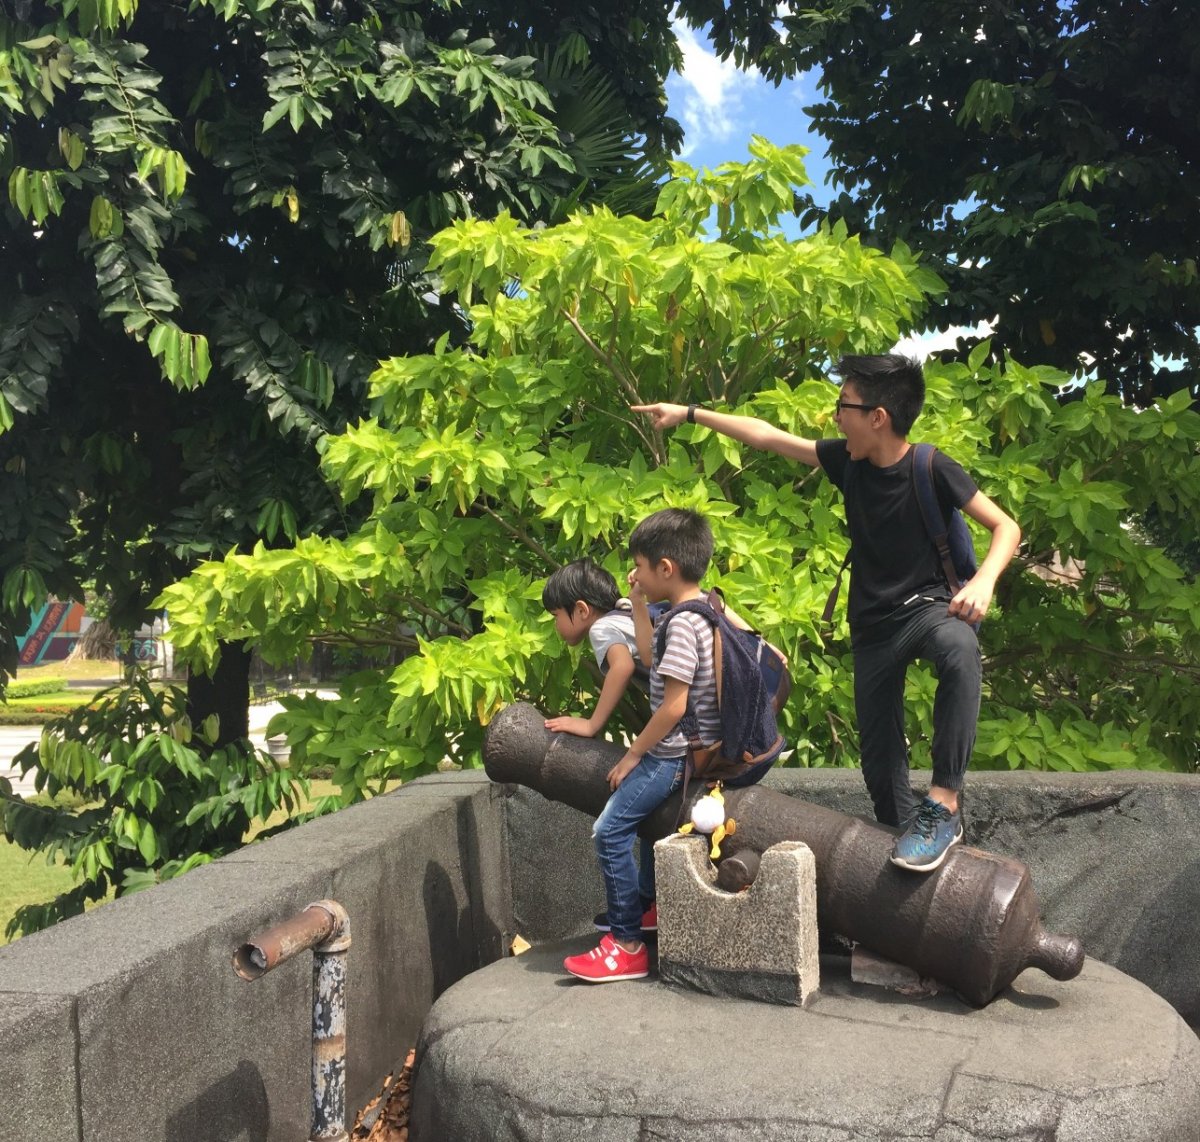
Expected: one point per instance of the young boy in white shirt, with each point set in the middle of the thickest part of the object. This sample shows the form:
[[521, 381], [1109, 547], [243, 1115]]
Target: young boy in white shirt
[[586, 603]]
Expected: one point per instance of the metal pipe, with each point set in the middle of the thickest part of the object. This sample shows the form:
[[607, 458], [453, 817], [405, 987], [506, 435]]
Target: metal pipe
[[324, 927]]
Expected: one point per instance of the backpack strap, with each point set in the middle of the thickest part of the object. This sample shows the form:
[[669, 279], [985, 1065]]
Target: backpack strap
[[831, 602], [712, 611], [939, 535]]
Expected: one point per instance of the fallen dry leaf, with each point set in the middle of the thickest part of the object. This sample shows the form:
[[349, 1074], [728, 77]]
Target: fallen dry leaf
[[385, 1117]]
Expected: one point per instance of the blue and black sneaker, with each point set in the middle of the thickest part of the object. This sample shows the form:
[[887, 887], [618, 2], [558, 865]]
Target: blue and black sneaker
[[924, 844]]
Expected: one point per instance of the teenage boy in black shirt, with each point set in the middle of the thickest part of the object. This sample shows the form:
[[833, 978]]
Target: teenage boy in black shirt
[[900, 607]]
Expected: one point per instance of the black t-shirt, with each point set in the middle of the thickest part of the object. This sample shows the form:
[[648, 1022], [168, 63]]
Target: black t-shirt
[[894, 558]]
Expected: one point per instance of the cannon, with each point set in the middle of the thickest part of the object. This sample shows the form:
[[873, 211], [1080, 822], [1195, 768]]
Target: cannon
[[972, 924]]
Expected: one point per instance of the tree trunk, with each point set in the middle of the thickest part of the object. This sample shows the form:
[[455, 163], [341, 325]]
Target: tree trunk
[[226, 694], [99, 641]]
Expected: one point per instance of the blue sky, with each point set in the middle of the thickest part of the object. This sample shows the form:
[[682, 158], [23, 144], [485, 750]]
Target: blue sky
[[720, 107]]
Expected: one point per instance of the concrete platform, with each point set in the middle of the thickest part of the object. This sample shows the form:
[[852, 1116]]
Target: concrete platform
[[520, 1051]]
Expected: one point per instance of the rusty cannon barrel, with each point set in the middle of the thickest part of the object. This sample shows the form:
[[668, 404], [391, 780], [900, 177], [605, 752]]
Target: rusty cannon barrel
[[972, 924]]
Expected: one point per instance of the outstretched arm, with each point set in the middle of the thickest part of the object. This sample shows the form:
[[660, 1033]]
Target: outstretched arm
[[972, 602], [620, 670], [748, 429]]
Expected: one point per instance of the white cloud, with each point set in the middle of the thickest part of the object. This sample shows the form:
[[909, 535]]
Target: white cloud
[[712, 93], [920, 345]]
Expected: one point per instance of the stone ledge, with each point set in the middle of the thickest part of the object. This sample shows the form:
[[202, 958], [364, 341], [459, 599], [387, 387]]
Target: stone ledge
[[128, 1023], [519, 1050]]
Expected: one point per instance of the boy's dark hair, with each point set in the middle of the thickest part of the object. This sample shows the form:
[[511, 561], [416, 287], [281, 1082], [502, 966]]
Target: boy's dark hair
[[677, 534], [584, 580], [889, 381]]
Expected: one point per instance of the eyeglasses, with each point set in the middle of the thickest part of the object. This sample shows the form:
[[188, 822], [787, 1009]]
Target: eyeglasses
[[841, 404]]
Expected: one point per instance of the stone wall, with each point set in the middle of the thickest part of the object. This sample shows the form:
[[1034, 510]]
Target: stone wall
[[129, 1024]]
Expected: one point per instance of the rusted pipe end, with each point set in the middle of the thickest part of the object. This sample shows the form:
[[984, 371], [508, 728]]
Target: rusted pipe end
[[323, 926], [250, 962]]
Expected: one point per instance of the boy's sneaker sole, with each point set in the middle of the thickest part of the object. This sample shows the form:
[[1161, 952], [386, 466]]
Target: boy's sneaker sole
[[609, 978]]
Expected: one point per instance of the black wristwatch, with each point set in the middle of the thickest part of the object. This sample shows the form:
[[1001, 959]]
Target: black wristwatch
[[691, 416]]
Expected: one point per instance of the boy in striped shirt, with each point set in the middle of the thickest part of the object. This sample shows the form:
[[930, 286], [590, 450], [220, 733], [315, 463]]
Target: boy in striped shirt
[[671, 551]]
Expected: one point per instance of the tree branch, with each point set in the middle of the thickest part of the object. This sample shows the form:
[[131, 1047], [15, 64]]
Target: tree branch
[[527, 540]]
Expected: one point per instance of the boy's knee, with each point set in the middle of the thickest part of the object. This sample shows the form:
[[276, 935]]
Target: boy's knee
[[956, 643], [604, 831]]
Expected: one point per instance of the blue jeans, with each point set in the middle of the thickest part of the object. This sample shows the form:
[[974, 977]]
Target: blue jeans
[[922, 630], [648, 785]]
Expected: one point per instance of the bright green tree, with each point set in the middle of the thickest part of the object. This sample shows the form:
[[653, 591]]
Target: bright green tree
[[487, 466]]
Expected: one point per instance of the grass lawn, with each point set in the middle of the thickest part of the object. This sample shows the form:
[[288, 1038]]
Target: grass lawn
[[83, 670], [76, 696], [26, 878]]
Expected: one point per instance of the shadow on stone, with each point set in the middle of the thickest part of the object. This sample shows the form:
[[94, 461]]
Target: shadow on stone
[[233, 1109], [448, 925]]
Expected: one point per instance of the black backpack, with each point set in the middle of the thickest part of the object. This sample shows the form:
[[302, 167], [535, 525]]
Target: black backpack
[[952, 543], [753, 684]]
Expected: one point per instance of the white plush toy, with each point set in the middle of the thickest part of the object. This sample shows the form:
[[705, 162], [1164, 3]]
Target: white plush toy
[[708, 817]]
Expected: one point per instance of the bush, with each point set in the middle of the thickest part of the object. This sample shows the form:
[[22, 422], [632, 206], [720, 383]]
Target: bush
[[33, 687], [36, 715], [158, 797]]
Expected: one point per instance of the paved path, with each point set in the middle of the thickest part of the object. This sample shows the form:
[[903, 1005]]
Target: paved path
[[14, 738]]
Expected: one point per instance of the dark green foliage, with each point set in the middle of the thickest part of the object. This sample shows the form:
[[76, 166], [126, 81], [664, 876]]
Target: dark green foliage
[[215, 225], [214, 219], [1045, 156]]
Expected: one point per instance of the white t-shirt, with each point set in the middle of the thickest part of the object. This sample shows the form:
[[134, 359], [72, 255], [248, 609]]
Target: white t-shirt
[[613, 629]]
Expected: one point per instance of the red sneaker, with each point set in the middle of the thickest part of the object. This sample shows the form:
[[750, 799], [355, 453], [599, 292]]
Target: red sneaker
[[608, 963]]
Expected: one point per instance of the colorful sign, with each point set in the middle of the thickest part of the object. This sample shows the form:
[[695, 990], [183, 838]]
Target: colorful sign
[[31, 648], [51, 635]]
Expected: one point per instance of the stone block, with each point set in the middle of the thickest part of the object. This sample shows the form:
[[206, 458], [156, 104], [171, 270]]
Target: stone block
[[757, 944], [38, 1070]]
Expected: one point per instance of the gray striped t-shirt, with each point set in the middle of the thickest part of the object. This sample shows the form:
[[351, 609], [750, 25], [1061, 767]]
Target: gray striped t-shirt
[[687, 657]]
